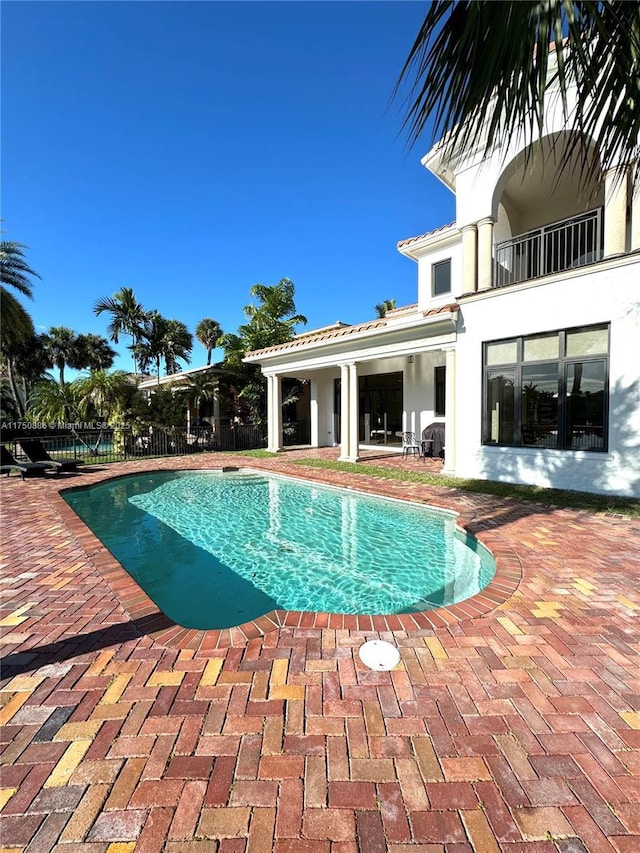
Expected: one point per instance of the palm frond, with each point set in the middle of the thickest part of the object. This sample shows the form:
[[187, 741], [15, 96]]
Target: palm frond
[[481, 72], [14, 270]]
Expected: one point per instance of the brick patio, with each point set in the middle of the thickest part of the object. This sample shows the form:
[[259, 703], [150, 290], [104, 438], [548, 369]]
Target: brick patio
[[512, 722]]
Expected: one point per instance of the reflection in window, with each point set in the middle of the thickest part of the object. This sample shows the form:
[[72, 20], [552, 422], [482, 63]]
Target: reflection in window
[[540, 405], [500, 426], [585, 405]]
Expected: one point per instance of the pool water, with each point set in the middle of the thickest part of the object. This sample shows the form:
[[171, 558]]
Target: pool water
[[214, 549]]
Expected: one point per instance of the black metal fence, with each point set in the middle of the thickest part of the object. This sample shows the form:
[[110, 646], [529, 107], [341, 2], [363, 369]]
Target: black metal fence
[[116, 445]]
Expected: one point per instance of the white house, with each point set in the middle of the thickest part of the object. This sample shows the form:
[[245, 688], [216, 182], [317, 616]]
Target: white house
[[525, 338]]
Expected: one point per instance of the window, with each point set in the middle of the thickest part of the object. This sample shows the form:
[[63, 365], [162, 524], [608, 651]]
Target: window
[[441, 277], [548, 390], [439, 382]]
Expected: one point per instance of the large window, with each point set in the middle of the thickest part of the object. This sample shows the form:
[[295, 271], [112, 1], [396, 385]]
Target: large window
[[548, 390], [441, 277]]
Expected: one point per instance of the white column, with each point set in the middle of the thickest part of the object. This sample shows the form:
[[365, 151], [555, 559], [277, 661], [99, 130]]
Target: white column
[[344, 413], [485, 253], [354, 420], [450, 408], [615, 212], [314, 412], [469, 258], [635, 216], [274, 414]]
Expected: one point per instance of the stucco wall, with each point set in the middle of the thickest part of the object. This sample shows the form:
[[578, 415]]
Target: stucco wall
[[610, 294], [419, 391]]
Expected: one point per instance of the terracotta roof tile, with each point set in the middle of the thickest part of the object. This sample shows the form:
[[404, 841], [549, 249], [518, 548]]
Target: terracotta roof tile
[[345, 331], [409, 240]]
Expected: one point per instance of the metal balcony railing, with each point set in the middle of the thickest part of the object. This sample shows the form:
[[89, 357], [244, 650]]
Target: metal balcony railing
[[564, 245]]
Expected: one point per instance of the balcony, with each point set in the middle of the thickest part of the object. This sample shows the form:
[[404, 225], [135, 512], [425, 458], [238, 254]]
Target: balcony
[[565, 245]]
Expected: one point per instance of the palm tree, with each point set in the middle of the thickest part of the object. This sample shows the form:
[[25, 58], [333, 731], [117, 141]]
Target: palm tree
[[271, 321], [17, 327], [208, 333], [127, 317], [201, 387], [103, 392], [14, 270], [384, 306], [177, 344], [482, 70], [147, 350], [163, 339], [61, 346], [95, 352], [54, 403]]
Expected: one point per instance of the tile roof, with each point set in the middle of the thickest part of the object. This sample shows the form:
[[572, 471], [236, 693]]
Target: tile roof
[[344, 331], [409, 240]]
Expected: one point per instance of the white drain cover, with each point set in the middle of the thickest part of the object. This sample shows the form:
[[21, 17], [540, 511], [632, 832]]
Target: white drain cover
[[378, 654]]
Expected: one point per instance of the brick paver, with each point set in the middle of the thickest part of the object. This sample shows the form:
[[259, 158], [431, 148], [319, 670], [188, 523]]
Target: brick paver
[[512, 722]]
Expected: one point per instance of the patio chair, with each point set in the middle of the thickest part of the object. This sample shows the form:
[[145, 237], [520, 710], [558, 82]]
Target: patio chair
[[35, 451], [9, 463], [410, 444]]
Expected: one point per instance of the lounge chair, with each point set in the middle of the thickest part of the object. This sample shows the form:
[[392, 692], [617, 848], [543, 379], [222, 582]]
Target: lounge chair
[[35, 451], [9, 463]]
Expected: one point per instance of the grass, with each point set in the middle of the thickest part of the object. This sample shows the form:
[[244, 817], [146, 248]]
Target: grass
[[536, 494]]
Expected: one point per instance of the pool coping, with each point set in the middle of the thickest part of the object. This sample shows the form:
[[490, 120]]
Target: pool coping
[[143, 611]]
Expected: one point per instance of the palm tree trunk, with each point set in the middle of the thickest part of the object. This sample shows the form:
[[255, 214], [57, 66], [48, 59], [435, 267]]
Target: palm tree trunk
[[61, 368], [14, 388]]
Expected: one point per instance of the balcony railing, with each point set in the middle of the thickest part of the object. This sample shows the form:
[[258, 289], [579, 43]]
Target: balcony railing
[[564, 245]]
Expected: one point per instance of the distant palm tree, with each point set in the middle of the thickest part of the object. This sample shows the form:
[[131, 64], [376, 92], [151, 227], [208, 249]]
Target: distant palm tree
[[103, 391], [163, 339], [479, 69], [208, 333], [62, 349], [148, 349], [95, 352], [127, 317], [384, 306], [178, 343], [201, 387], [54, 403]]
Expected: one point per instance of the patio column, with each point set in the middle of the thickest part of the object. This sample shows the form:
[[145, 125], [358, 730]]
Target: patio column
[[354, 420], [348, 413], [274, 413], [314, 412], [450, 408], [615, 212], [635, 217], [485, 252], [469, 258]]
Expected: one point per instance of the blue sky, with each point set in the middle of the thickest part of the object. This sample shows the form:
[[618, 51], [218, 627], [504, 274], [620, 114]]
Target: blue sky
[[191, 149]]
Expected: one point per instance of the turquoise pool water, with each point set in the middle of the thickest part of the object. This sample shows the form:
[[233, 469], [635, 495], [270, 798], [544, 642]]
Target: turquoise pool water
[[216, 549]]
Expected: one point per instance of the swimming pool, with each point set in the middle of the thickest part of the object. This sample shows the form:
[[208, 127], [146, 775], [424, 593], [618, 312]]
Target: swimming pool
[[214, 549]]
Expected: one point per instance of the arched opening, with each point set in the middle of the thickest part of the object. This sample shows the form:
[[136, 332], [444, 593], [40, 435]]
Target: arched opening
[[547, 219]]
